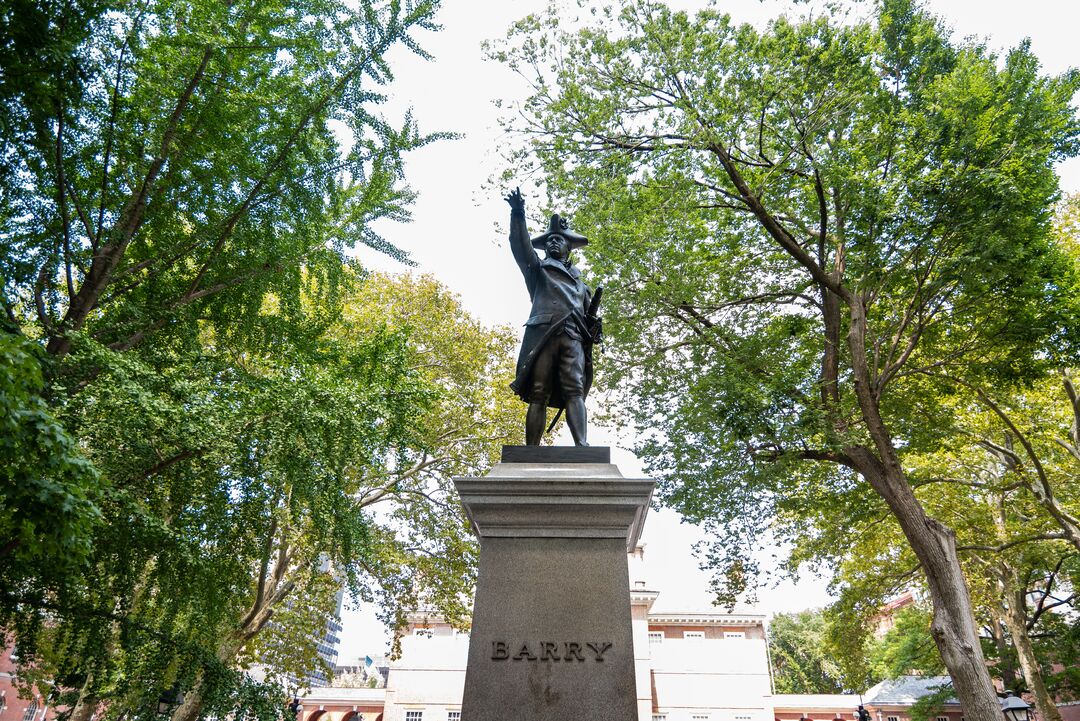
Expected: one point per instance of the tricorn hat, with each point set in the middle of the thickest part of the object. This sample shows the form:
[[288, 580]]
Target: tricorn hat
[[559, 226]]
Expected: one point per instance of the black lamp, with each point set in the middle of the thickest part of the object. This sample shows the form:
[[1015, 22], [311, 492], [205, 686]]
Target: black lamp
[[170, 698], [1015, 708], [295, 706]]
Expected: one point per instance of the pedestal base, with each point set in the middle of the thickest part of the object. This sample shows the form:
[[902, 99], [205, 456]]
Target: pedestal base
[[551, 637]]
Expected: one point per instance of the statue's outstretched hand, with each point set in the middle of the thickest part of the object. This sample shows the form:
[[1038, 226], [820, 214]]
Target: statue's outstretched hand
[[516, 201]]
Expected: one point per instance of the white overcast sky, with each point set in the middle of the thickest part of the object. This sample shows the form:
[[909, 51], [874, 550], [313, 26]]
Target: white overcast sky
[[455, 229]]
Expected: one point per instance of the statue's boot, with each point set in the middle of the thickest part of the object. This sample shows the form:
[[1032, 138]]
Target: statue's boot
[[577, 420]]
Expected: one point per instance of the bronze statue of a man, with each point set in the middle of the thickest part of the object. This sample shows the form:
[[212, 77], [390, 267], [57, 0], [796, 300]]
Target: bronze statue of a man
[[554, 367]]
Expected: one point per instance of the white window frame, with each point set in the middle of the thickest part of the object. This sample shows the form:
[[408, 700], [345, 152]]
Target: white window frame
[[453, 716], [735, 634], [942, 718], [659, 717], [656, 636], [694, 636], [699, 717], [414, 714], [31, 710], [892, 718]]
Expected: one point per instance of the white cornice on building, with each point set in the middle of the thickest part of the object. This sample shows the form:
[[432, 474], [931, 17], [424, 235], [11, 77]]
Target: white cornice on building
[[343, 695], [424, 616], [643, 597], [707, 619]]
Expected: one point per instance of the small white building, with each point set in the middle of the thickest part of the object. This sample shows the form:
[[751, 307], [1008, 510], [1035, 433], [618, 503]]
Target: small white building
[[428, 681], [691, 666]]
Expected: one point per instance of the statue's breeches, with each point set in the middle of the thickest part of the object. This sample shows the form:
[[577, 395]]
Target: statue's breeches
[[561, 361]]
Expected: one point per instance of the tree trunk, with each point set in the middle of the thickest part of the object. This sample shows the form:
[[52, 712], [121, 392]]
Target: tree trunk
[[1016, 622], [84, 708], [934, 544], [1006, 669], [253, 623], [953, 626], [191, 708]]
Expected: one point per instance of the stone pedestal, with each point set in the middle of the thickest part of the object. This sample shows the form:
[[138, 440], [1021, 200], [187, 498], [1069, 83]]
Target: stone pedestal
[[551, 636]]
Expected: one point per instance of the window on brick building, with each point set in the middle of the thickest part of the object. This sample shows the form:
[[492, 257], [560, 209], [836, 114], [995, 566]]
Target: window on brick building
[[414, 716], [699, 717], [942, 718], [656, 636], [659, 717], [31, 711], [892, 718], [453, 716], [697, 635], [734, 634]]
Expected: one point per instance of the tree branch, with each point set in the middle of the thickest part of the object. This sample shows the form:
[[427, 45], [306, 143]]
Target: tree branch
[[108, 256], [1015, 542]]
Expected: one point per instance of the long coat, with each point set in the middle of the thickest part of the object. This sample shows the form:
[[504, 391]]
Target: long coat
[[559, 298]]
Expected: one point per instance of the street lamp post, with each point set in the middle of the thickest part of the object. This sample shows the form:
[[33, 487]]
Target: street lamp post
[[169, 699], [296, 707], [1015, 708]]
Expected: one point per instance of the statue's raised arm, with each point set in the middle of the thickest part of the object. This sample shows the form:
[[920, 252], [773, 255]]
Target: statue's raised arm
[[524, 254]]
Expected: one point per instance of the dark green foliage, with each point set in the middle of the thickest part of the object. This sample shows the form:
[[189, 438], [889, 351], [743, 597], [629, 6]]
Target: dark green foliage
[[48, 488], [800, 656], [907, 648], [1061, 648]]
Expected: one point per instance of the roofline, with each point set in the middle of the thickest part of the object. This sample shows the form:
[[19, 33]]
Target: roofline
[[706, 619], [334, 693]]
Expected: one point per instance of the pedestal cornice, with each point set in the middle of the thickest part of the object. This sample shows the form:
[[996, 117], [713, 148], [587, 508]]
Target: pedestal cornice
[[556, 500]]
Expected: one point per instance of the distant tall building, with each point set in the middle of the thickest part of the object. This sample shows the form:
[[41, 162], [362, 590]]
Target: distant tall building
[[327, 645], [326, 642]]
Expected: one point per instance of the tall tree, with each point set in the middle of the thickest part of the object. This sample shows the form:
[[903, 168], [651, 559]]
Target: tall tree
[[814, 230], [907, 647], [165, 165], [182, 184]]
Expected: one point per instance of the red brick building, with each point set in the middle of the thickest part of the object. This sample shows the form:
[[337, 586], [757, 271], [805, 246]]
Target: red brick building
[[11, 705]]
